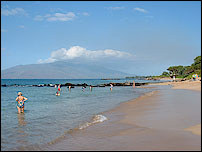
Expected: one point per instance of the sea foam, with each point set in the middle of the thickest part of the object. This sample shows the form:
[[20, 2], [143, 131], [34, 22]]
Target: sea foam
[[95, 119]]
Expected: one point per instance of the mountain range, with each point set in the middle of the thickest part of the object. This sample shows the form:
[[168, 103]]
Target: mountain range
[[60, 70]]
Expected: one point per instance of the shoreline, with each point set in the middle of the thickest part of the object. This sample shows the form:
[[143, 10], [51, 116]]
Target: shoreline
[[195, 129], [190, 85], [141, 123]]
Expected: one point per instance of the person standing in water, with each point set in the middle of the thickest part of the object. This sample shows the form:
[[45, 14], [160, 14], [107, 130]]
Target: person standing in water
[[59, 89], [69, 88], [20, 102], [111, 86], [90, 88], [83, 88], [133, 84]]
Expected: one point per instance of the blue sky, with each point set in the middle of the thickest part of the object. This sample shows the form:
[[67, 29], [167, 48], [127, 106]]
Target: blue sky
[[142, 38]]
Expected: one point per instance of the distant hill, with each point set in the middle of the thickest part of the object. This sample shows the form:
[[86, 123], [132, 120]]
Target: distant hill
[[60, 70]]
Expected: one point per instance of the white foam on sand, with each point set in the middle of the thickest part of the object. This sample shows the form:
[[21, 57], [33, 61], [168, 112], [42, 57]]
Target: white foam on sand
[[95, 119]]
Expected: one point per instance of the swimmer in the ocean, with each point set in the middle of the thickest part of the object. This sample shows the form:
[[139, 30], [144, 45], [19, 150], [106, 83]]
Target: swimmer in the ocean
[[57, 93], [20, 102]]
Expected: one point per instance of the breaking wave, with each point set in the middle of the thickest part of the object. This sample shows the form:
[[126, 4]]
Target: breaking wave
[[95, 119]]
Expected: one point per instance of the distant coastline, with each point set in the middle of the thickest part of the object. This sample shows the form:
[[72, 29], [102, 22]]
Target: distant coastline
[[111, 79]]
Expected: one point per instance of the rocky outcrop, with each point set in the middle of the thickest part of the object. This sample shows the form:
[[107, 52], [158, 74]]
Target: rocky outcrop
[[77, 85]]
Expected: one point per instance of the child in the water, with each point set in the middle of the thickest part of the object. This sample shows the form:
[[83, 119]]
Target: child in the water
[[57, 93], [20, 102]]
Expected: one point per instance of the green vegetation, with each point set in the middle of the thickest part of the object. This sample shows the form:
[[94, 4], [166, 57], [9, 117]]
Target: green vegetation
[[136, 77], [165, 74], [186, 71], [179, 71]]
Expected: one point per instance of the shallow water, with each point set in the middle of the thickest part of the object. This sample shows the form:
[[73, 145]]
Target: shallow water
[[48, 117], [153, 123]]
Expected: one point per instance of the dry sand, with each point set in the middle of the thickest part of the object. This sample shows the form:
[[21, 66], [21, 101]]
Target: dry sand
[[156, 121], [191, 85]]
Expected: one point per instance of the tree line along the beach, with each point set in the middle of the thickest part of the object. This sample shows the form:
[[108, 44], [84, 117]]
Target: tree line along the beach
[[179, 71], [185, 71]]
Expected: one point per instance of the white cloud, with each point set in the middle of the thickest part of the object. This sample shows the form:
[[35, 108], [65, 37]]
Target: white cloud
[[140, 10], [116, 8], [80, 52], [56, 17], [14, 11]]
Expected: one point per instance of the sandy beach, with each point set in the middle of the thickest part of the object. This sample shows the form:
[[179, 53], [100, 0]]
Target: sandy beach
[[166, 119], [189, 84], [195, 129]]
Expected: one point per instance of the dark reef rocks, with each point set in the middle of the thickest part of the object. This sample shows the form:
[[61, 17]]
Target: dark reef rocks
[[73, 85]]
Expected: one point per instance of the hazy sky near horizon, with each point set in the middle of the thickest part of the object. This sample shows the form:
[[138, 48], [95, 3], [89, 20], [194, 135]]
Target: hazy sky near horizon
[[142, 38]]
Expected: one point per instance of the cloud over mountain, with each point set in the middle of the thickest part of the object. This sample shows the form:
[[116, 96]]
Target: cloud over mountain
[[80, 52]]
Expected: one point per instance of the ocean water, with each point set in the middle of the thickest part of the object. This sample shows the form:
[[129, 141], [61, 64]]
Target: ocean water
[[48, 117]]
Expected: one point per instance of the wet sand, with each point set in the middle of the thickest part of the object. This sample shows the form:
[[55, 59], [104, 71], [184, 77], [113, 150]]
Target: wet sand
[[155, 121], [195, 129]]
